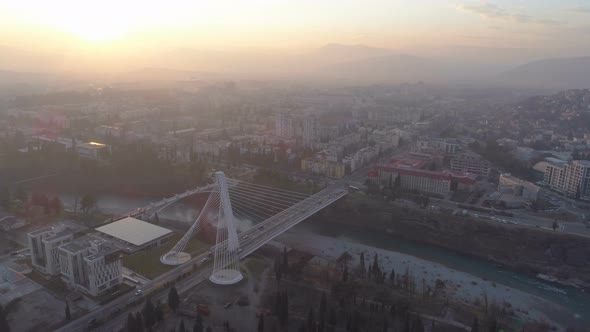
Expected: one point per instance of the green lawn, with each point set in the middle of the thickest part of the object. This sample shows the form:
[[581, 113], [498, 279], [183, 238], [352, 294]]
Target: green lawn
[[255, 265], [147, 262]]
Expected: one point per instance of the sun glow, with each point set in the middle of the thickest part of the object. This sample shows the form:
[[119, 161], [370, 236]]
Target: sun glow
[[103, 21]]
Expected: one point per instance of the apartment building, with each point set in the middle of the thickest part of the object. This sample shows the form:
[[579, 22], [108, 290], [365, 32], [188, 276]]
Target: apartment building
[[323, 167], [578, 179], [470, 163], [572, 179], [284, 125], [555, 174], [311, 128]]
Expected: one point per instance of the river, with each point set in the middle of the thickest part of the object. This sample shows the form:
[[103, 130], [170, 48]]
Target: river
[[576, 301]]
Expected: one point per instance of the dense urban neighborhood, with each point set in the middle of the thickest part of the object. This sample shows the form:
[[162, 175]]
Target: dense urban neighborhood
[[413, 162]]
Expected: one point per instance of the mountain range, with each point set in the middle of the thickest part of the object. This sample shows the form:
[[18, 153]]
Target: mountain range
[[331, 62]]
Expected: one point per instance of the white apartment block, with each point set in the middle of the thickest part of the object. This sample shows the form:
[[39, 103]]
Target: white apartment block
[[471, 164], [555, 175], [572, 179], [90, 265], [578, 179], [44, 244], [311, 129], [284, 125]]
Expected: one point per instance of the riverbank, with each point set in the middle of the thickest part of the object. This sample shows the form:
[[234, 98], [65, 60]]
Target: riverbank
[[566, 258], [459, 286]]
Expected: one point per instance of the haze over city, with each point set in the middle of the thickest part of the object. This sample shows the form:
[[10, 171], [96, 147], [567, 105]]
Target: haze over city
[[295, 166], [456, 40]]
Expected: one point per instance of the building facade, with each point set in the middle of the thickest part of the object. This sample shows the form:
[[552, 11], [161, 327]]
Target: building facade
[[571, 179], [44, 244], [414, 179], [90, 265], [323, 167], [284, 126], [311, 129], [470, 163]]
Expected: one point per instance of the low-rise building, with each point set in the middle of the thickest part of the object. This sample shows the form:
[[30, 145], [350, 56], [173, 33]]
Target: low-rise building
[[509, 184], [323, 167], [135, 233], [413, 179]]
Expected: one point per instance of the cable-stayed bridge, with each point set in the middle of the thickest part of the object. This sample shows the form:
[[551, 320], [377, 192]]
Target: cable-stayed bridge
[[271, 211]]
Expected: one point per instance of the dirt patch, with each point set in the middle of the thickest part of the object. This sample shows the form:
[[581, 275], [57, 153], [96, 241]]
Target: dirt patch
[[37, 311]]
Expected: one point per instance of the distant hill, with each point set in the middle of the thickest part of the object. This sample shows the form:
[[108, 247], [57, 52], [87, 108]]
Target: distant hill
[[335, 53], [165, 74], [391, 68], [558, 72]]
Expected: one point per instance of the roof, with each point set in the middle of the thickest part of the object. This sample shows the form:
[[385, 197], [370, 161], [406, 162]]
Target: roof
[[417, 172], [133, 231], [92, 145]]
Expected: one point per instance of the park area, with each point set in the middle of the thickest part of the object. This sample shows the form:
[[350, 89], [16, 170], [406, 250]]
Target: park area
[[147, 262]]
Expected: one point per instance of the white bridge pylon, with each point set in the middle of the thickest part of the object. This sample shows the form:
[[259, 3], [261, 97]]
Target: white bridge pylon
[[226, 264], [217, 211]]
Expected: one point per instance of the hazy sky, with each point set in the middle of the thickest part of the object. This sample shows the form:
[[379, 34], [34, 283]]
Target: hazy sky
[[131, 26]]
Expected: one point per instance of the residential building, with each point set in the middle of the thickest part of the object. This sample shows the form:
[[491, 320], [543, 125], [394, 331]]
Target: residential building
[[572, 179], [578, 179], [90, 265], [323, 167], [555, 171], [470, 163], [311, 128], [284, 125], [446, 146], [44, 244]]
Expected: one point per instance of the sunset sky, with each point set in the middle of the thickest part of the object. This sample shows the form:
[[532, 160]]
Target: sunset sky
[[132, 26]]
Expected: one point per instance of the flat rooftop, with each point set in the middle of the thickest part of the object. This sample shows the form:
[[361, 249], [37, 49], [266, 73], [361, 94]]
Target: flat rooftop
[[134, 231]]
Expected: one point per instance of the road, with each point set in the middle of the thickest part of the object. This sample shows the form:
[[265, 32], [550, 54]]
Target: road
[[250, 241]]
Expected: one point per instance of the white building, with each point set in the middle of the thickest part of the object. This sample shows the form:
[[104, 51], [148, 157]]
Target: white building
[[44, 244], [90, 265], [284, 126], [578, 179], [134, 232], [93, 150], [311, 128], [572, 179], [555, 174]]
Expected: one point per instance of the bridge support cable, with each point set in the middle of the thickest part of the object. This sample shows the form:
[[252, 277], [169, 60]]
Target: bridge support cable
[[210, 210]]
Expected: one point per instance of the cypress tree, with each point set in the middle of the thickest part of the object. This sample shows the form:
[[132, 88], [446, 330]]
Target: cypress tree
[[138, 322], [363, 271], [131, 326], [475, 325], [68, 314], [323, 305], [261, 323]]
